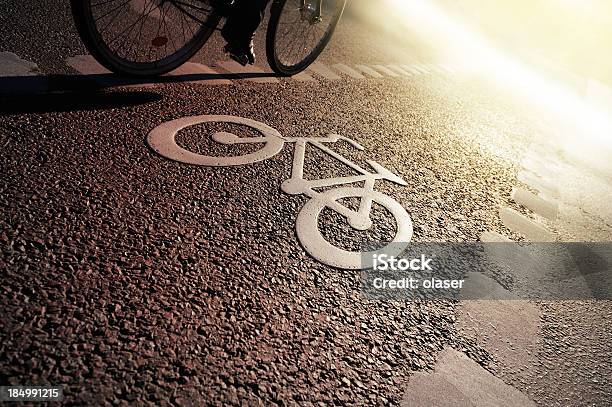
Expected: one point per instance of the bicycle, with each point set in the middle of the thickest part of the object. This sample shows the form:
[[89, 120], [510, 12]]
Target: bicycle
[[162, 140], [153, 37]]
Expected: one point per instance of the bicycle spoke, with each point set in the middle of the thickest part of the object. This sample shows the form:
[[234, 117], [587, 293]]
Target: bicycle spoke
[[299, 33], [150, 31], [102, 3], [113, 10]]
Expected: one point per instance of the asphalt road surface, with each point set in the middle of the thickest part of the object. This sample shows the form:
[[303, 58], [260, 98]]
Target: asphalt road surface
[[129, 278]]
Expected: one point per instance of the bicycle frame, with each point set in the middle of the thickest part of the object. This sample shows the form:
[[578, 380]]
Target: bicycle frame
[[297, 184]]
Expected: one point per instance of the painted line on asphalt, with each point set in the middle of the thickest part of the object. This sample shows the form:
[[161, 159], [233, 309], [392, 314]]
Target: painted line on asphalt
[[20, 76], [87, 65], [348, 71], [398, 69], [193, 68], [385, 71], [456, 380], [423, 68], [536, 204], [411, 69], [545, 187], [494, 237], [162, 139], [533, 231], [447, 69], [250, 73], [12, 65], [303, 77], [539, 165], [324, 71], [369, 71]]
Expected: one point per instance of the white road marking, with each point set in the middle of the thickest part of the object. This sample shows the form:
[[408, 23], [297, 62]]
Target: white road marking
[[535, 203], [424, 68], [303, 77], [494, 237], [193, 68], [162, 139], [384, 70], [458, 380], [419, 68], [348, 71], [447, 69], [545, 187], [246, 71], [533, 231], [323, 71], [369, 71], [12, 65], [86, 65], [398, 69], [411, 69]]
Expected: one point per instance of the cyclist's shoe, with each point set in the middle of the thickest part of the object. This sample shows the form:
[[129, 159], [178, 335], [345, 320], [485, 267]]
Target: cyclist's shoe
[[243, 55]]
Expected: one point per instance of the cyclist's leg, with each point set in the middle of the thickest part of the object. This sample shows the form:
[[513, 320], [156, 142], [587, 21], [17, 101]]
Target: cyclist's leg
[[240, 28]]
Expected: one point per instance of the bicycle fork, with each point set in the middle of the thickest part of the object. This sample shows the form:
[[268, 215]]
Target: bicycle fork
[[311, 10]]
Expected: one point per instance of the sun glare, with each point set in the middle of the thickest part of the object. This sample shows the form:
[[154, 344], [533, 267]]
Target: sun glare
[[586, 125]]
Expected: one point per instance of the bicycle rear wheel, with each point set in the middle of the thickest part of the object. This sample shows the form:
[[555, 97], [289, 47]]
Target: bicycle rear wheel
[[143, 37], [298, 32]]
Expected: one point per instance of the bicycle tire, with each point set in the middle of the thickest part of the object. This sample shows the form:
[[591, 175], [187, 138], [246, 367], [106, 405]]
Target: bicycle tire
[[272, 38], [95, 44], [315, 243]]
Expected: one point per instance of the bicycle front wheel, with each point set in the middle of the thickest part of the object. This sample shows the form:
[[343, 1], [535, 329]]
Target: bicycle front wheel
[[144, 37], [298, 32]]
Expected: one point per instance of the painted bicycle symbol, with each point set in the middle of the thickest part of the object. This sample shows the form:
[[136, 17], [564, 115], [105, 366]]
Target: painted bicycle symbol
[[162, 140]]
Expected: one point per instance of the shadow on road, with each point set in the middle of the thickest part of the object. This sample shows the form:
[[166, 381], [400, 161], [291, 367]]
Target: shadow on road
[[28, 85], [73, 101]]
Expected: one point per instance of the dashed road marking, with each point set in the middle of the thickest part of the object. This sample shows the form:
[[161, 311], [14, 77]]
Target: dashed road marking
[[323, 71], [535, 203], [447, 68], [86, 65], [369, 71], [303, 77], [398, 69], [439, 68], [411, 69], [385, 71], [533, 231], [457, 380], [494, 237], [545, 187], [250, 73], [424, 69], [193, 68], [12, 65], [348, 71], [20, 76]]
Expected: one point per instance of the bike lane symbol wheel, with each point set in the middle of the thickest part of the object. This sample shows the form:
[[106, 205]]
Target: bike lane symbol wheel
[[162, 139], [307, 227]]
